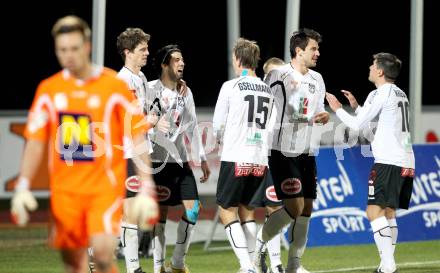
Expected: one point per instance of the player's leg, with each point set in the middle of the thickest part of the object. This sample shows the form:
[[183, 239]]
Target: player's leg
[[249, 226], [298, 232], [289, 189], [230, 187], [274, 245], [103, 249], [158, 241], [377, 201], [129, 239], [185, 192], [75, 260]]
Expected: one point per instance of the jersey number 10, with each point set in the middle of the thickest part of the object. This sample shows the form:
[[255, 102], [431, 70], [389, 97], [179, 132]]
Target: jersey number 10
[[405, 118]]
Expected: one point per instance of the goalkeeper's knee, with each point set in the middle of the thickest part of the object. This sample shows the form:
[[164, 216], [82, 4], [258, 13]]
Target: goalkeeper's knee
[[193, 214]]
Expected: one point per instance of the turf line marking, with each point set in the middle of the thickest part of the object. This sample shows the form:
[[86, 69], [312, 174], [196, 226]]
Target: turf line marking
[[403, 265]]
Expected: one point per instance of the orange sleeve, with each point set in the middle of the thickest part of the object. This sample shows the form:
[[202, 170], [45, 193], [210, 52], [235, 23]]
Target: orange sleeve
[[38, 122]]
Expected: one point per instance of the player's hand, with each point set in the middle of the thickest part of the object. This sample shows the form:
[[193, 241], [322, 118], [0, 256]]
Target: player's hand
[[22, 202], [144, 211], [321, 118], [163, 125], [206, 171], [332, 101], [353, 102], [181, 87]]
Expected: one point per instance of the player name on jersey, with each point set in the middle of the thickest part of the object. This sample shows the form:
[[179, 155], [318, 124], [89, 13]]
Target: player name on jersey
[[248, 86]]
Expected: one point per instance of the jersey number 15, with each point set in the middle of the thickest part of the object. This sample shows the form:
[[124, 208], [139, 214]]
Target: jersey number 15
[[262, 110]]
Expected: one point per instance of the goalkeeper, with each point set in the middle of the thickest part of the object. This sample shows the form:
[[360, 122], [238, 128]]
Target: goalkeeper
[[82, 115]]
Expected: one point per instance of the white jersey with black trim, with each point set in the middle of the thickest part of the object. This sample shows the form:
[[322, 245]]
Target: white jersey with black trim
[[241, 115], [181, 112], [137, 83], [298, 98], [392, 140]]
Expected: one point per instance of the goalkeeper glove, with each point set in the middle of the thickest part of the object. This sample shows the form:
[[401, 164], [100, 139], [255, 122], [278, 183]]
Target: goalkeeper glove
[[22, 202], [144, 211]]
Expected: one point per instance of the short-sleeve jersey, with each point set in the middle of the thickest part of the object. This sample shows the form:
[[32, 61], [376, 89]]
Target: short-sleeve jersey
[[85, 124], [241, 114], [298, 98], [392, 140]]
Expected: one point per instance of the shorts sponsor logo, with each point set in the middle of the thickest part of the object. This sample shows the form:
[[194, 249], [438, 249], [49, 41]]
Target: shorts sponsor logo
[[271, 194], [163, 193], [246, 169], [132, 183], [407, 172], [291, 186]]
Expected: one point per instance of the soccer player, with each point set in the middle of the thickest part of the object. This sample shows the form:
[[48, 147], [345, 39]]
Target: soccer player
[[82, 114], [132, 45], [175, 181], [240, 120], [299, 102], [264, 197], [391, 177]]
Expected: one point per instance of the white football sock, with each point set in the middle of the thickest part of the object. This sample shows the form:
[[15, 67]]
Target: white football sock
[[130, 245], [274, 250], [237, 239], [394, 232], [184, 233], [250, 232], [158, 246], [383, 239]]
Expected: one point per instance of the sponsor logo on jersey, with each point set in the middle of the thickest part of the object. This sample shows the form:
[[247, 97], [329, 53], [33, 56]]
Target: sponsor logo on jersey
[[163, 193], [291, 186], [75, 136], [132, 183], [271, 194], [247, 169]]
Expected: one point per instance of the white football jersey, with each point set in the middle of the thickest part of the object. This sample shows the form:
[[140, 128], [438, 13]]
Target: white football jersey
[[136, 83], [298, 98], [242, 115], [139, 85], [181, 112], [392, 140]]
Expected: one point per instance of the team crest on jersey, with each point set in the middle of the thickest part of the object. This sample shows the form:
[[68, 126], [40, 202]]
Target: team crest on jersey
[[291, 186], [132, 183], [60, 101], [75, 137], [312, 88], [271, 194], [163, 193]]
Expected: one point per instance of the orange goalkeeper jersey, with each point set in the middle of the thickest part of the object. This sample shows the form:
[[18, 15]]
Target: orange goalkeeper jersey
[[86, 124]]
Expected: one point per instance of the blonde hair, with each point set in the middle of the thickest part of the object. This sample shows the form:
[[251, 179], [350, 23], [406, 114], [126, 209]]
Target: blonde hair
[[71, 23], [247, 52]]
